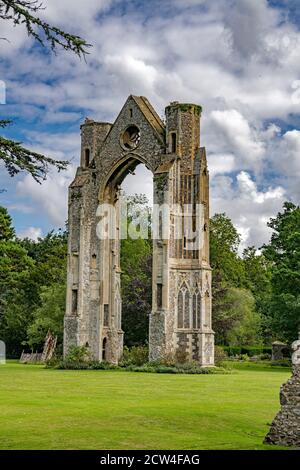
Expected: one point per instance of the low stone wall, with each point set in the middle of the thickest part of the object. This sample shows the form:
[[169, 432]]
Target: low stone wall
[[285, 429]]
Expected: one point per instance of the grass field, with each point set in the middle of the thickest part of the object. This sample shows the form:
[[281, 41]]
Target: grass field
[[54, 409]]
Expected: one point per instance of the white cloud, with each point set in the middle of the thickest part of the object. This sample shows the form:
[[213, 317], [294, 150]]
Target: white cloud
[[248, 188], [220, 164], [237, 58], [288, 158], [141, 75], [49, 198], [31, 232], [139, 183], [249, 21], [239, 137], [249, 207]]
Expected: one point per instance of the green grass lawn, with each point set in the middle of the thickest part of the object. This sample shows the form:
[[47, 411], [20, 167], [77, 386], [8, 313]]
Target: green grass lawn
[[57, 409]]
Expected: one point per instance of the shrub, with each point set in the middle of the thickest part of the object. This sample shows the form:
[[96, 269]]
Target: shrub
[[137, 355], [249, 350], [78, 354], [71, 365], [150, 367], [143, 368], [162, 369], [181, 356], [54, 361], [94, 365], [220, 355], [187, 368], [282, 363], [86, 365], [154, 368], [261, 357], [135, 359], [244, 357], [168, 360]]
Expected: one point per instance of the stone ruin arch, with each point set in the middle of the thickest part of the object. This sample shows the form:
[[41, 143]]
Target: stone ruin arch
[[180, 176]]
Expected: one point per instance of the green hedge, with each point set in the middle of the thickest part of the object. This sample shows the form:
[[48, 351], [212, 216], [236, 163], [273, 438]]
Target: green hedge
[[189, 368], [249, 350]]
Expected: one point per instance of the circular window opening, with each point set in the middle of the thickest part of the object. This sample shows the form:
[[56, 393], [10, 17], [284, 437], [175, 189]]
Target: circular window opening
[[131, 137]]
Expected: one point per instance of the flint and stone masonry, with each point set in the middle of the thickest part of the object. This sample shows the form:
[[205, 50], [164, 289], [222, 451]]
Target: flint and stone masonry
[[180, 321], [285, 429]]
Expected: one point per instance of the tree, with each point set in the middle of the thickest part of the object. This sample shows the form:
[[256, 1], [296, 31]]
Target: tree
[[240, 286], [15, 295], [257, 271], [136, 265], [15, 157], [24, 12], [258, 281], [15, 266], [48, 316], [246, 327], [27, 270], [228, 272], [224, 242], [283, 252], [50, 256], [237, 322], [7, 232]]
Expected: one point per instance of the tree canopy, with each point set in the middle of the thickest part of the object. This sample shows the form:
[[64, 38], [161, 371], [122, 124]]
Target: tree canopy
[[253, 306], [14, 156], [283, 252], [30, 273]]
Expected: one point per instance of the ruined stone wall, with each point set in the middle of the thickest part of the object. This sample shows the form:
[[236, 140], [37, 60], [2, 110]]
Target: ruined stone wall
[[93, 313], [150, 150], [285, 429], [184, 273]]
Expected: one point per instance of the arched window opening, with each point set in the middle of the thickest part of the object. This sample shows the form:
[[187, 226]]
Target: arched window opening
[[104, 349], [173, 142], [86, 157], [106, 315], [180, 309], [130, 138], [183, 308], [196, 309], [135, 305], [74, 301], [159, 295], [187, 310], [207, 310]]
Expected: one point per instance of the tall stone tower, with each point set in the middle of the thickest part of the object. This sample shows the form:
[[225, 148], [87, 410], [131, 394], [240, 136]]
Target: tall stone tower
[[180, 322]]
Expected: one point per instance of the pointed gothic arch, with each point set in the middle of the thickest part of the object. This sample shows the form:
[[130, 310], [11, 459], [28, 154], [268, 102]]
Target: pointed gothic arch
[[180, 177]]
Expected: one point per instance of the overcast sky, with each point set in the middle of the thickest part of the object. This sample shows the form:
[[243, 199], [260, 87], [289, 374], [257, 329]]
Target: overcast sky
[[239, 59]]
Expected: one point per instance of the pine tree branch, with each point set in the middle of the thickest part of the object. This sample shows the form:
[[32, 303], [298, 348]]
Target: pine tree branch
[[16, 158], [22, 12], [5, 122]]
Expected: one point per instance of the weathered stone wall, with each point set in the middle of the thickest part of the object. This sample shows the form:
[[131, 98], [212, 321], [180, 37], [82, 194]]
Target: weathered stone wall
[[184, 120], [150, 150], [285, 429]]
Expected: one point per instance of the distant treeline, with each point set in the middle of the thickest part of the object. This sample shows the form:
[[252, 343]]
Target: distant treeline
[[256, 296]]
